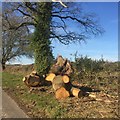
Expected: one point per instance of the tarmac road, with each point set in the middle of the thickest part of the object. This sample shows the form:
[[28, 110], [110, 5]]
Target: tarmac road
[[10, 109]]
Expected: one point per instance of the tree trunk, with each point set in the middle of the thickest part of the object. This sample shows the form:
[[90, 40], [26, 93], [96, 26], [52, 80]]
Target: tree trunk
[[3, 65], [41, 40]]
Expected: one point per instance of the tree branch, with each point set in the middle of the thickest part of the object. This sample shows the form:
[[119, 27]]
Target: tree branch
[[70, 17], [89, 25], [26, 14], [29, 5], [68, 38], [22, 24]]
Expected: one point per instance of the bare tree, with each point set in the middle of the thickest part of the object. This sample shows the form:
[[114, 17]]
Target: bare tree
[[14, 42]]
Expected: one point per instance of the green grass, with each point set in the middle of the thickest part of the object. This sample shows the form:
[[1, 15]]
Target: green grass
[[11, 80], [45, 102]]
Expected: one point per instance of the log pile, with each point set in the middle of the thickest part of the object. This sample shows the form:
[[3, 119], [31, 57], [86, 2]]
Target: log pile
[[60, 77]]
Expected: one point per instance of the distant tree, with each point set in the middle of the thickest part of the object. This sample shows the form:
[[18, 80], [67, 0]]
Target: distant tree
[[57, 26], [15, 43]]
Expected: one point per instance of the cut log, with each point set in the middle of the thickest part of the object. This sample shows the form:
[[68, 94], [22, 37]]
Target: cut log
[[50, 77], [68, 86], [68, 68], [58, 66], [92, 95], [77, 92], [31, 81], [33, 73], [62, 67], [62, 93], [56, 69], [60, 61], [58, 82], [25, 78], [65, 79]]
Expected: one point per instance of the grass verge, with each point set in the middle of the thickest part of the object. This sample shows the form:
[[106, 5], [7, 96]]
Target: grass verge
[[38, 103], [42, 103]]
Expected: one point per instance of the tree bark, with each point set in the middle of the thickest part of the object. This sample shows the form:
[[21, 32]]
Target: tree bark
[[3, 65], [41, 43], [62, 67], [32, 81]]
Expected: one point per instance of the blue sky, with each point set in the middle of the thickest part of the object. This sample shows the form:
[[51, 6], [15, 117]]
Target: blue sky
[[106, 45]]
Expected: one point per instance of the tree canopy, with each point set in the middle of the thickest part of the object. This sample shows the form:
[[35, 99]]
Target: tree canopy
[[64, 21]]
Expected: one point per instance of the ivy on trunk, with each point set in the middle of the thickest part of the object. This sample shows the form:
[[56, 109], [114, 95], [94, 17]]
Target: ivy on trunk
[[41, 40]]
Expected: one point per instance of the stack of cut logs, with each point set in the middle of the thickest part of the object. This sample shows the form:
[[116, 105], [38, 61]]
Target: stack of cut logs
[[59, 76]]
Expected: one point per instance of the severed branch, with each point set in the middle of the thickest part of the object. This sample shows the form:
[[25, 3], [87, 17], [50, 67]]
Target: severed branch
[[60, 2]]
